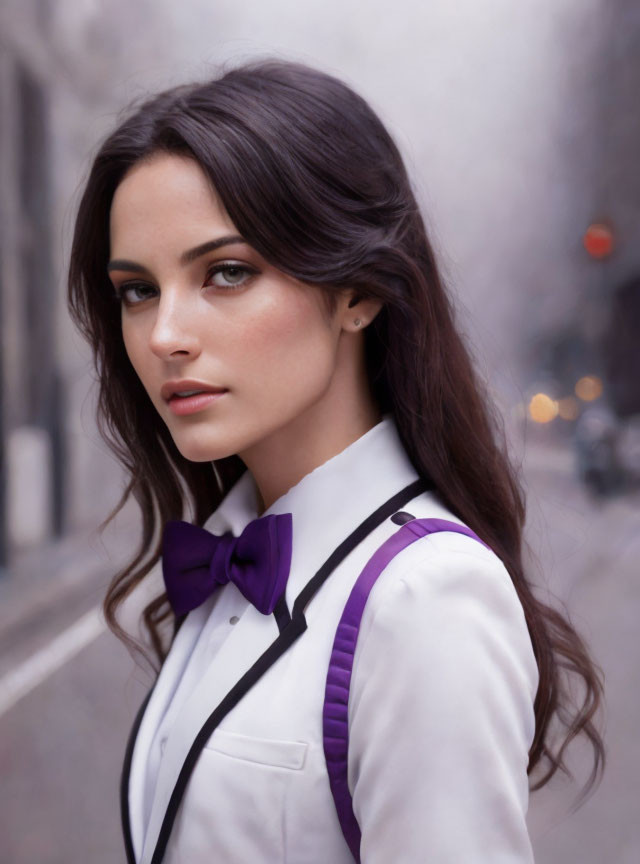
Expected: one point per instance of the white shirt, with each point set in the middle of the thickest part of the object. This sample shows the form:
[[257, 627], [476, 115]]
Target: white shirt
[[440, 709]]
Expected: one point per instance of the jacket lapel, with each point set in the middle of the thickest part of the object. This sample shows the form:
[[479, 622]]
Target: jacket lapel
[[125, 813], [246, 641], [149, 716]]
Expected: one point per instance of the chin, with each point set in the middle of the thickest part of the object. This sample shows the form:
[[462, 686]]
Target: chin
[[203, 451], [205, 455]]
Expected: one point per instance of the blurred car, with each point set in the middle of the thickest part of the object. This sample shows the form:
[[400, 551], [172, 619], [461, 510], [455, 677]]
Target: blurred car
[[607, 432]]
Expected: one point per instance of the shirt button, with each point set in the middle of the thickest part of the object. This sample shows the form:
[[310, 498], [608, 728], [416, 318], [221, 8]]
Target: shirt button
[[234, 619]]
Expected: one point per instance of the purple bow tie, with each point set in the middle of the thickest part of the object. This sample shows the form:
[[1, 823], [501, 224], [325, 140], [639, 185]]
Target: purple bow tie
[[195, 562]]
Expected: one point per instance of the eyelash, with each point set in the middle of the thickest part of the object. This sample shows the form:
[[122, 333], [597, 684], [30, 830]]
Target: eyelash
[[121, 290]]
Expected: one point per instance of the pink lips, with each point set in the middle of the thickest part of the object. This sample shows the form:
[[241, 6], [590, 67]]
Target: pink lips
[[201, 396], [182, 405]]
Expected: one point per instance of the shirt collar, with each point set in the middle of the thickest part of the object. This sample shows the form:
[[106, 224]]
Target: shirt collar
[[328, 503]]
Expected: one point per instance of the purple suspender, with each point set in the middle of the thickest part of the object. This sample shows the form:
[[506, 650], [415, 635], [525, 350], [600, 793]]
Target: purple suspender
[[336, 702]]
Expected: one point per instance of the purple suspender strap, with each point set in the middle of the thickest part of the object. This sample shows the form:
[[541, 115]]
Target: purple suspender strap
[[335, 720]]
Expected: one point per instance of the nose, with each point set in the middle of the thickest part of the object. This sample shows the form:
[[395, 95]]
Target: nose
[[174, 332]]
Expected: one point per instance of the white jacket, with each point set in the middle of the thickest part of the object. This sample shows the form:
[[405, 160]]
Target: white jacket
[[440, 710]]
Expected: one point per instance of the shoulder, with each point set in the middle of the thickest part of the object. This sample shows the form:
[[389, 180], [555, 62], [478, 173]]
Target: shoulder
[[446, 601], [445, 568]]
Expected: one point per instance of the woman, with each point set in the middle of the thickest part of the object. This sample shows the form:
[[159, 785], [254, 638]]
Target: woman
[[275, 348]]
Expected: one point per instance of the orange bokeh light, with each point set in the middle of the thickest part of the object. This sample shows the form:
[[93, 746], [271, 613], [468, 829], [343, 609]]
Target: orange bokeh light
[[542, 408], [589, 388], [568, 408]]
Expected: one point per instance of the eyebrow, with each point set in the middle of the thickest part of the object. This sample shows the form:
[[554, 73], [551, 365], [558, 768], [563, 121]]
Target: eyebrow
[[186, 257]]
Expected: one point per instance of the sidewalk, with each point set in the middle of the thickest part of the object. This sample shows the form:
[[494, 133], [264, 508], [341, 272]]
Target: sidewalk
[[47, 588]]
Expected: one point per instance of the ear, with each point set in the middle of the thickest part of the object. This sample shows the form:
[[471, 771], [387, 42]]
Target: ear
[[358, 311]]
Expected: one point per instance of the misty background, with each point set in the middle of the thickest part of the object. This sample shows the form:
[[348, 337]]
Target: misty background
[[520, 126]]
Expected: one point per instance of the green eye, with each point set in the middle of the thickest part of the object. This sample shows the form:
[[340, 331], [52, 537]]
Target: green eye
[[229, 275], [136, 292]]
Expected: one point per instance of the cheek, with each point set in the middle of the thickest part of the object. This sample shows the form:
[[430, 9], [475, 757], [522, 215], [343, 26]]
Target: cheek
[[290, 347]]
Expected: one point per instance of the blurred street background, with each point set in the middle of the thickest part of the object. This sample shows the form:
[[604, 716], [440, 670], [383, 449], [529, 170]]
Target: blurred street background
[[520, 125]]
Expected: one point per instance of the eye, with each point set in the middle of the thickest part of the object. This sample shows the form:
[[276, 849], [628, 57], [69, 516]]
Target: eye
[[132, 293], [229, 275]]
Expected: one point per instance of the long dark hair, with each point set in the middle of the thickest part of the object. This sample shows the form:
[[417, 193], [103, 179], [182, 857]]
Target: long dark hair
[[313, 181]]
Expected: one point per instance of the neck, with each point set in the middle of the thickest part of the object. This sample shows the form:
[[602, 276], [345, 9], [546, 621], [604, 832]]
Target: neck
[[280, 460]]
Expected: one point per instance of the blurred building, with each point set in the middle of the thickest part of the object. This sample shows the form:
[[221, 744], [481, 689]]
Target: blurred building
[[32, 436], [518, 122], [56, 101]]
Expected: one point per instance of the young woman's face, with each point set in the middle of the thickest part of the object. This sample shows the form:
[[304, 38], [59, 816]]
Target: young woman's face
[[229, 349]]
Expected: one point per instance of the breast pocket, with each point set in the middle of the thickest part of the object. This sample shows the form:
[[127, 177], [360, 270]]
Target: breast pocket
[[262, 751], [237, 805]]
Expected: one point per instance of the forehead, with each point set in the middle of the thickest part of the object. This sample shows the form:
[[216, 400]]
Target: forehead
[[165, 196]]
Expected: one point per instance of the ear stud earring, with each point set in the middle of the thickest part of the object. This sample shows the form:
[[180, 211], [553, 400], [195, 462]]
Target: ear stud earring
[[357, 322]]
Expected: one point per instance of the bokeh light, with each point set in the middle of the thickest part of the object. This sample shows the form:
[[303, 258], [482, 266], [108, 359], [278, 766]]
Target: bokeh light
[[542, 408], [589, 388], [598, 240], [568, 408]]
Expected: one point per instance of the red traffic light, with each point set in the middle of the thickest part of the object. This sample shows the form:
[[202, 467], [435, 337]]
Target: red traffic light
[[598, 240]]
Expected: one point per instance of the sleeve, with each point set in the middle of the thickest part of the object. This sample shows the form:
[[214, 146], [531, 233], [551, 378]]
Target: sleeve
[[441, 711]]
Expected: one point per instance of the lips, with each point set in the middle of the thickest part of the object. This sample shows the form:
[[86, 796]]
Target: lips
[[185, 388]]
